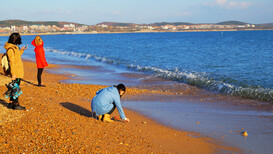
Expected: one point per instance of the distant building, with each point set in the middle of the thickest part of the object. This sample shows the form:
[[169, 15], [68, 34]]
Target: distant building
[[169, 27], [25, 28], [103, 26], [69, 26], [33, 27], [151, 27], [13, 28]]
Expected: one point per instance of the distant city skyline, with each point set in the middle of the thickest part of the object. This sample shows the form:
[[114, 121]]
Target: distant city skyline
[[139, 11]]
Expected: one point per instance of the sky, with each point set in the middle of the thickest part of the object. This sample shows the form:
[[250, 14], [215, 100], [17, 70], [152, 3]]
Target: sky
[[92, 12]]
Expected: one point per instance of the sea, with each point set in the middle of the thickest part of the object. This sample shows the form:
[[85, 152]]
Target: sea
[[237, 63]]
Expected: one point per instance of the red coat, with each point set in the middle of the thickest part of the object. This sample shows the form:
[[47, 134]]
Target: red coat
[[40, 55]]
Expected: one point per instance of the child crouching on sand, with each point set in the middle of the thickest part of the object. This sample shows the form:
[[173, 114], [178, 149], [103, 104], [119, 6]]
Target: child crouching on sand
[[105, 102]]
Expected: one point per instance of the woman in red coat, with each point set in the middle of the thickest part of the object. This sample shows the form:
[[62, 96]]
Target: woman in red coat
[[40, 57]]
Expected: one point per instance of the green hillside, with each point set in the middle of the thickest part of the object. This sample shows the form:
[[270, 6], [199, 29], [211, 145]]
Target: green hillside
[[115, 24], [170, 23], [232, 23], [7, 23]]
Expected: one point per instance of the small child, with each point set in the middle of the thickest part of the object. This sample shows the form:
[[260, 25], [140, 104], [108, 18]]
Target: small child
[[40, 58], [105, 102]]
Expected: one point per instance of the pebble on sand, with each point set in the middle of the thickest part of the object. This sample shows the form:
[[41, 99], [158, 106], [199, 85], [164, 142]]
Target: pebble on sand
[[244, 133]]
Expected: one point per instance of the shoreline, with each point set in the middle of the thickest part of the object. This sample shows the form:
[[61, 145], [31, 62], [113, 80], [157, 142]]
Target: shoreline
[[53, 107], [75, 33]]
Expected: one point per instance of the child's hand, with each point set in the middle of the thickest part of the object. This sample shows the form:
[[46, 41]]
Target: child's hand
[[13, 77], [127, 120]]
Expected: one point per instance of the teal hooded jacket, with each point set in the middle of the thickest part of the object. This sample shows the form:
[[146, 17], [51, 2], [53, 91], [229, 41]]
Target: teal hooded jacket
[[105, 100]]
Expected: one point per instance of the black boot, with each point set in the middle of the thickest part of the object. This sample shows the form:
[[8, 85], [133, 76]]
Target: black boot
[[17, 106], [40, 85], [10, 105]]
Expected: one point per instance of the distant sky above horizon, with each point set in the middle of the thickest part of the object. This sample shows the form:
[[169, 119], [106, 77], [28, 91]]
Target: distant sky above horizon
[[138, 11]]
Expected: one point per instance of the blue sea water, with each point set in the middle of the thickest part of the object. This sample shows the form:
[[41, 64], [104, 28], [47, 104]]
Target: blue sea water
[[238, 63]]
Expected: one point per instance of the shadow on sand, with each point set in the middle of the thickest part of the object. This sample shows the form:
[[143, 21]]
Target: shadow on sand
[[78, 109], [28, 82], [3, 102]]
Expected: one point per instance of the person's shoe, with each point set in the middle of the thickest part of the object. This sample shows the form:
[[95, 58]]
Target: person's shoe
[[107, 118], [18, 107], [10, 105], [94, 115], [40, 85], [99, 117]]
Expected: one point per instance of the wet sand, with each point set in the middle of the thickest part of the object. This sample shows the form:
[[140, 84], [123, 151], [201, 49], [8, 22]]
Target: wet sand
[[58, 119], [220, 121]]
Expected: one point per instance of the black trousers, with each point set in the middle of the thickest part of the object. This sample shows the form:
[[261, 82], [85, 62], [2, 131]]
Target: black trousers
[[18, 80], [113, 109], [39, 75]]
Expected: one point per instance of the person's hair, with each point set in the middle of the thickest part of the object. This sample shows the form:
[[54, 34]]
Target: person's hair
[[38, 40], [15, 39], [121, 87]]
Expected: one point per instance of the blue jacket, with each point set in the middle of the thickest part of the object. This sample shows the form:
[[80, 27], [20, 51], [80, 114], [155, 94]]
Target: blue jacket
[[105, 100]]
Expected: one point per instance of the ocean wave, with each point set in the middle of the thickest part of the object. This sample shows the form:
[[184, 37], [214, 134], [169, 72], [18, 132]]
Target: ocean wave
[[202, 81], [197, 79], [81, 55]]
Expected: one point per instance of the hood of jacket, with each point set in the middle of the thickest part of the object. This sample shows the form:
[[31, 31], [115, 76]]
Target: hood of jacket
[[111, 89], [10, 45], [34, 44]]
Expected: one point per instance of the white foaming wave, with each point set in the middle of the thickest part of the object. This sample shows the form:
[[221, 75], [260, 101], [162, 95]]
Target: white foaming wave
[[83, 55], [69, 53], [202, 81]]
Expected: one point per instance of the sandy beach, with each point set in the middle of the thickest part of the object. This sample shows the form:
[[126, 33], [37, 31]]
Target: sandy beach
[[58, 119]]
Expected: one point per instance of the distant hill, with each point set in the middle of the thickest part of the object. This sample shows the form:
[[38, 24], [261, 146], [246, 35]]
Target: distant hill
[[115, 24], [268, 24], [28, 23], [170, 23], [232, 23]]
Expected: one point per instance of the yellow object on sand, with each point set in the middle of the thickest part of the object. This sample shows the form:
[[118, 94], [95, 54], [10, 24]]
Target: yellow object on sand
[[107, 118], [244, 133], [99, 117]]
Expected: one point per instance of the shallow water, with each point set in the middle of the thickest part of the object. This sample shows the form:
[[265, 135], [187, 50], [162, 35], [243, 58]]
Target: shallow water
[[217, 120]]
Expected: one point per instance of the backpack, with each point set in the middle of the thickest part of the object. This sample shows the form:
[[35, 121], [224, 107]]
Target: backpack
[[5, 64]]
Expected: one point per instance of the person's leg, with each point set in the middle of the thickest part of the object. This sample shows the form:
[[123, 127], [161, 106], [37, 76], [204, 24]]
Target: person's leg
[[39, 76], [18, 81], [106, 116], [113, 109], [15, 102]]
